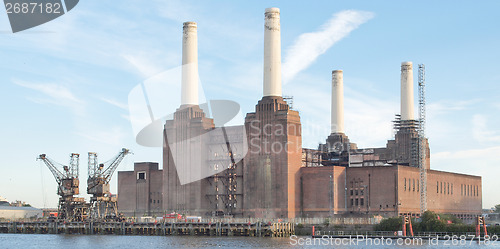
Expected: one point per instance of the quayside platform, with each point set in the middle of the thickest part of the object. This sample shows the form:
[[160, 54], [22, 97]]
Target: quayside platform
[[257, 229]]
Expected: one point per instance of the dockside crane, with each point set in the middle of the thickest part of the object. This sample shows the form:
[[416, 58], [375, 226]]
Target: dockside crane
[[103, 206], [70, 208]]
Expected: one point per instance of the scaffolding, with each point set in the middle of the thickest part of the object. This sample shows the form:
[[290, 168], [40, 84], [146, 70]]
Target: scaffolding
[[421, 139], [225, 194]]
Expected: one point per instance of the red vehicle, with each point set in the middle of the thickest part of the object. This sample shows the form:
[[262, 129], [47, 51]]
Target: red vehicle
[[172, 216]]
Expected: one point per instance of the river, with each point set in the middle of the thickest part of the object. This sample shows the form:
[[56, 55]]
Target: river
[[41, 241]]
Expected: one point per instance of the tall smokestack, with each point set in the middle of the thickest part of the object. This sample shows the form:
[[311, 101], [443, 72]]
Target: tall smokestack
[[407, 104], [337, 101], [272, 53], [189, 88]]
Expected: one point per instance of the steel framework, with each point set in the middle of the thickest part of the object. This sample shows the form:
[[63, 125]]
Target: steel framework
[[422, 145]]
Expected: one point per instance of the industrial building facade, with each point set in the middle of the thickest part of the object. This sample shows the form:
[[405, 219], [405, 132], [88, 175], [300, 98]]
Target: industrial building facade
[[261, 170], [140, 191]]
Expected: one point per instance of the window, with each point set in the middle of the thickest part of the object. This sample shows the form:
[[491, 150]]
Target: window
[[437, 187], [405, 184], [362, 202], [448, 188], [418, 185], [362, 192], [452, 188], [461, 189], [356, 192], [141, 175], [441, 187], [352, 192], [357, 202], [352, 202], [413, 185]]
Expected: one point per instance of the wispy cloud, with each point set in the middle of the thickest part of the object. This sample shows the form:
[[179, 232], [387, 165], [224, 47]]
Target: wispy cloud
[[445, 106], [115, 103], [147, 64], [309, 46], [115, 136], [179, 11], [56, 93]]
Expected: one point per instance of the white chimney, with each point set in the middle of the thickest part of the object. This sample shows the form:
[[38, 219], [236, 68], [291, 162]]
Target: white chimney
[[337, 101], [189, 88], [407, 104], [272, 53]]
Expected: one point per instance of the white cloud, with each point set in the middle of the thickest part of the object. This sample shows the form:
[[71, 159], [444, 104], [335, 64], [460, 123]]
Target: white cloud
[[115, 103], [115, 136], [481, 162], [55, 94], [497, 105], [446, 106], [176, 10], [146, 64], [309, 46], [481, 132], [54, 91], [467, 154]]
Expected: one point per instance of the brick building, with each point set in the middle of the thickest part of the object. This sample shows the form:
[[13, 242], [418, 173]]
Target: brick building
[[259, 169], [140, 191]]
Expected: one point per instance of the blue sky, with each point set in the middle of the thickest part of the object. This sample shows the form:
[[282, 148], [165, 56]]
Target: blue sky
[[65, 84]]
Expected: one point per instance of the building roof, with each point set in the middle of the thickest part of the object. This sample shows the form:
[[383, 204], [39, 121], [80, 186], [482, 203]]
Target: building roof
[[18, 208], [3, 201]]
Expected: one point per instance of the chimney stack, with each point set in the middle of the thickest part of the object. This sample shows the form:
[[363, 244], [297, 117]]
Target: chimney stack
[[407, 104], [189, 88], [272, 53], [337, 102]]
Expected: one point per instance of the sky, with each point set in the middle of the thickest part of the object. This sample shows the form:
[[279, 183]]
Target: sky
[[65, 84]]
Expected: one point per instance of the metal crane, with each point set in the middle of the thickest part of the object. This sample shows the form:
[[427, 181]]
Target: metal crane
[[70, 208], [103, 206]]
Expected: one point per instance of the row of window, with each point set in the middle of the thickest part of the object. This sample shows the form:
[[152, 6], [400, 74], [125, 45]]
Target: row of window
[[154, 201], [412, 184], [444, 188], [358, 202], [469, 190], [357, 191]]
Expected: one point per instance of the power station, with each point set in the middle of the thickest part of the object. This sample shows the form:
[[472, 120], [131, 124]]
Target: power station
[[260, 169]]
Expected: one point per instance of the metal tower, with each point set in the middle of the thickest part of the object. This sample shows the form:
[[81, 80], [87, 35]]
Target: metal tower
[[421, 138]]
